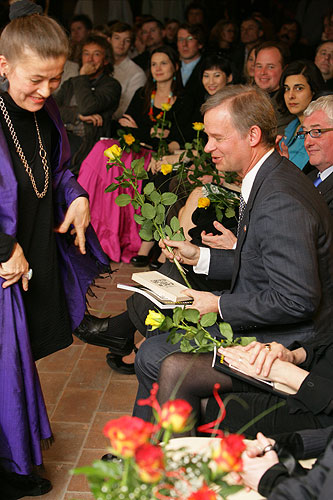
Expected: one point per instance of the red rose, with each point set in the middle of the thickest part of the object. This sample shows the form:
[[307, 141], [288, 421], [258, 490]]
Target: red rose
[[175, 414], [150, 462], [228, 454], [203, 494], [127, 434]]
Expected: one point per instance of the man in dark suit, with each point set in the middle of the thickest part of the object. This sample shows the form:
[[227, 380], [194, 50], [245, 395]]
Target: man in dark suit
[[319, 145], [284, 251]]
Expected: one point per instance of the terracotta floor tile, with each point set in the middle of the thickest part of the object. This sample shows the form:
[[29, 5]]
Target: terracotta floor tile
[[90, 374], [61, 361], [68, 442], [77, 405], [59, 476], [119, 396], [94, 352], [96, 438], [78, 496], [53, 386], [79, 483]]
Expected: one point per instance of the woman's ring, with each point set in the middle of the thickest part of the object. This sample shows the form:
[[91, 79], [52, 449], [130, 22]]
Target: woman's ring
[[28, 275], [268, 347], [269, 447]]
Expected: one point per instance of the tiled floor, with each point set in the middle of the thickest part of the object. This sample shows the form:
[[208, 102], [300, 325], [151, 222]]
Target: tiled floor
[[82, 393]]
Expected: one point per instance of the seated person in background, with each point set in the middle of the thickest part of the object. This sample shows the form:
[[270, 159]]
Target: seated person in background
[[163, 86], [271, 59], [248, 71], [152, 33], [324, 61], [88, 101], [300, 81], [171, 28], [126, 72], [289, 33], [80, 28]]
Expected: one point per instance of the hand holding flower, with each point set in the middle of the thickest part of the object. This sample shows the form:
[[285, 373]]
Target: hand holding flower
[[185, 252]]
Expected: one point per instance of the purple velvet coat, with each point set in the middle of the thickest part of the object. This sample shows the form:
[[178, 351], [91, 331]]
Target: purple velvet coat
[[23, 417]]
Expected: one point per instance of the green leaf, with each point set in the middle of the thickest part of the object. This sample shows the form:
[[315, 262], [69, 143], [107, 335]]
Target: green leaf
[[178, 315], [155, 197], [219, 214], [188, 145], [149, 188], [208, 319], [123, 199], [200, 336], [167, 324], [185, 346], [230, 212], [148, 211], [168, 231], [112, 187], [169, 198], [139, 219], [247, 340], [137, 164], [177, 337], [178, 237], [157, 236], [175, 224], [226, 331], [160, 214], [192, 315], [145, 234], [135, 204]]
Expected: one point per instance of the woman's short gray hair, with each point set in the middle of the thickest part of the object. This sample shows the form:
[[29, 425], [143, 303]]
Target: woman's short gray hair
[[248, 106], [324, 103], [37, 33]]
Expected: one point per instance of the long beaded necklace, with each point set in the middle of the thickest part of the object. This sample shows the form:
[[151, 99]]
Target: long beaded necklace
[[151, 110], [42, 152]]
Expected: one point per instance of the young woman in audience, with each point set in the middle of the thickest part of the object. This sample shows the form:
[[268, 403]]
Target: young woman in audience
[[300, 81], [163, 87], [248, 73], [306, 369]]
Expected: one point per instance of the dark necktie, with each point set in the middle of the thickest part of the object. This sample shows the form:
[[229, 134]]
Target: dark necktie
[[317, 181], [242, 206]]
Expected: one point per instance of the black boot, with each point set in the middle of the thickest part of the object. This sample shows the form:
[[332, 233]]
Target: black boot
[[95, 331], [116, 363], [15, 486]]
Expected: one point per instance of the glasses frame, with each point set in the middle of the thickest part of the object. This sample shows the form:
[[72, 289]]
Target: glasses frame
[[304, 133]]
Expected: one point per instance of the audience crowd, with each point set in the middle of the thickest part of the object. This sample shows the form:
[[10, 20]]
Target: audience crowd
[[264, 92]]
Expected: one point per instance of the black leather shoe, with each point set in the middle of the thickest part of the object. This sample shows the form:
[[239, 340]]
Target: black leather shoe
[[154, 265], [15, 486], [117, 364], [109, 457], [140, 260], [94, 331]]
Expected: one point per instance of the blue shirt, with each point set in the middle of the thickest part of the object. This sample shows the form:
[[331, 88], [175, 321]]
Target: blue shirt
[[297, 151], [186, 70]]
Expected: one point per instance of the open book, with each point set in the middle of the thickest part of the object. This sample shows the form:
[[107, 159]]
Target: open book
[[163, 291], [281, 390]]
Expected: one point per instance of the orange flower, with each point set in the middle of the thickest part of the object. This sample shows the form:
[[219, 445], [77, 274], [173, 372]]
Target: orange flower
[[129, 139], [175, 415], [203, 202], [127, 434], [150, 462], [203, 494], [228, 454]]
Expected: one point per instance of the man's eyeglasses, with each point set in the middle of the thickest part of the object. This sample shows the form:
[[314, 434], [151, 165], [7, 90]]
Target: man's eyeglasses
[[185, 39], [314, 133]]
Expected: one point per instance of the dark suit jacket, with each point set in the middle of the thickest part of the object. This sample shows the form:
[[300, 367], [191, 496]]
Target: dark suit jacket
[[282, 268], [325, 188]]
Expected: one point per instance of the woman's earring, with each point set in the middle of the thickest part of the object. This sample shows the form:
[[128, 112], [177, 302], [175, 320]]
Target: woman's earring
[[154, 80], [4, 83], [174, 77]]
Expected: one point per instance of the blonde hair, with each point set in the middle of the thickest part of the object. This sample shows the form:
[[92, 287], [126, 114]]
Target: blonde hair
[[37, 33], [248, 106]]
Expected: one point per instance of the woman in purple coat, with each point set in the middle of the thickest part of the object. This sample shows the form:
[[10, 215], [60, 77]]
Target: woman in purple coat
[[49, 254]]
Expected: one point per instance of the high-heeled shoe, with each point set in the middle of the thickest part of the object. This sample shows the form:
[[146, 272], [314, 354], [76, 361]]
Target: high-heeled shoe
[[140, 260], [117, 364]]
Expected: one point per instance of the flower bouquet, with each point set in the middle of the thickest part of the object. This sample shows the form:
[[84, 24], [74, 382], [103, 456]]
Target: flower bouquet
[[159, 130], [146, 467]]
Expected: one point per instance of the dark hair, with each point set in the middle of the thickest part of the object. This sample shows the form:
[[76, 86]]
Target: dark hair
[[176, 85], [196, 6], [196, 30], [280, 46], [152, 20], [250, 18], [119, 27], [104, 44], [292, 21], [212, 61], [82, 18], [247, 106], [321, 44], [310, 72]]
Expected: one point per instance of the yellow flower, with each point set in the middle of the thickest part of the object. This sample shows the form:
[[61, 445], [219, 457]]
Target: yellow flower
[[154, 319], [198, 126], [203, 202], [129, 139], [166, 168], [166, 106], [114, 152]]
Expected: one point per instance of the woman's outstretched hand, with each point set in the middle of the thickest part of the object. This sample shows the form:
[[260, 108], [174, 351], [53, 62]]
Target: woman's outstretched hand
[[78, 214]]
